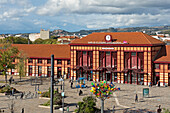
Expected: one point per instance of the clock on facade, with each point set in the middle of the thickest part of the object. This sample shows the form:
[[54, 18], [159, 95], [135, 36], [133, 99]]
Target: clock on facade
[[108, 38]]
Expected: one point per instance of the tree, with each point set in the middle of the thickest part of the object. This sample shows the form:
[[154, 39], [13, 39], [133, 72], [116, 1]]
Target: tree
[[7, 55], [38, 41], [21, 67], [87, 106], [50, 41], [103, 90], [15, 40], [54, 37]]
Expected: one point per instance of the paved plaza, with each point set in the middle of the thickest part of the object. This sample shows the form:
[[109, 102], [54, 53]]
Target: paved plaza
[[122, 100]]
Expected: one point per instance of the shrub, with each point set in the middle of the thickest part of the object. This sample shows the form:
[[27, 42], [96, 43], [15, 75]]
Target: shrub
[[166, 110], [47, 93], [87, 106], [57, 100], [7, 90]]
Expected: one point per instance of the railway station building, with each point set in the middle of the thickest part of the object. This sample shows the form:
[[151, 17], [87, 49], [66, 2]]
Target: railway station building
[[121, 57]]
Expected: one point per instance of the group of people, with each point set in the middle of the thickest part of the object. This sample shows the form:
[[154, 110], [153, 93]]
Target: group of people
[[71, 85]]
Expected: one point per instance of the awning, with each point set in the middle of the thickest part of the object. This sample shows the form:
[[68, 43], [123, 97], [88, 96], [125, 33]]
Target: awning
[[107, 69], [85, 68], [134, 70]]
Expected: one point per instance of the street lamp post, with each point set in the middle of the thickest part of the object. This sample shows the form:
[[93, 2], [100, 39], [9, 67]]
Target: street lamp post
[[52, 81]]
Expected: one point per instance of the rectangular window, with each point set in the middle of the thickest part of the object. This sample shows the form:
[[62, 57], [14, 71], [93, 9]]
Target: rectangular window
[[108, 59], [58, 72], [168, 66], [30, 60], [40, 61], [84, 58], [59, 62], [30, 70], [68, 62], [156, 66], [48, 71], [48, 61]]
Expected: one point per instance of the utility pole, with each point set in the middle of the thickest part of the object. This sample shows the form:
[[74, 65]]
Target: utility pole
[[52, 80]]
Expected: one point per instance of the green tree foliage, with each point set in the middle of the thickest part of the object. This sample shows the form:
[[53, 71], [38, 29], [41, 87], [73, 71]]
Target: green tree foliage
[[8, 54], [38, 41], [87, 106], [166, 110], [57, 100], [46, 41], [54, 37], [50, 41], [21, 65], [15, 40]]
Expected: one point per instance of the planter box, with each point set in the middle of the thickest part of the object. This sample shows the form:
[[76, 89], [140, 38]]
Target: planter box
[[54, 107], [41, 106]]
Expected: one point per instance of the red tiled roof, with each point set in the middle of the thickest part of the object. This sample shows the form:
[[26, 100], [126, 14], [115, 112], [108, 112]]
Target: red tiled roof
[[130, 37], [165, 58], [45, 50]]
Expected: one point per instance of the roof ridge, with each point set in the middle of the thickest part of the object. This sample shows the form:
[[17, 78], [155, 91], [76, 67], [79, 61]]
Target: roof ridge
[[146, 37]]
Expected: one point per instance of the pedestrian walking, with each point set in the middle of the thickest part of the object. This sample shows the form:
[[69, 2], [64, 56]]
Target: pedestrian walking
[[22, 94], [136, 98], [80, 92], [22, 111], [158, 83], [10, 80], [159, 110], [71, 84], [61, 87]]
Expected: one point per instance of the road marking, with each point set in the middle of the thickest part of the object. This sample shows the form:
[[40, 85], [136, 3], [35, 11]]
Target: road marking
[[117, 102]]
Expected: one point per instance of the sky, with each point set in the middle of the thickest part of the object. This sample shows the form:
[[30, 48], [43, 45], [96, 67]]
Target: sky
[[29, 16]]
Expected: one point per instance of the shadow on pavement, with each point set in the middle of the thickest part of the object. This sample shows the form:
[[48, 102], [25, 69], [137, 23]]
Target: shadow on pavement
[[138, 111], [152, 96]]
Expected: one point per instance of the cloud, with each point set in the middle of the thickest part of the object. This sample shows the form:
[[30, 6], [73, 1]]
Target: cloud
[[15, 9], [55, 7], [30, 9], [108, 13], [54, 27], [73, 15], [95, 21]]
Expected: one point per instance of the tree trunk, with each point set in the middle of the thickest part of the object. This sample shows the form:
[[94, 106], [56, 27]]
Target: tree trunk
[[5, 77], [20, 77]]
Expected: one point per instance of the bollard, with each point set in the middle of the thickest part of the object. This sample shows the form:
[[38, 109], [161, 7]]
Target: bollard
[[68, 108], [114, 109]]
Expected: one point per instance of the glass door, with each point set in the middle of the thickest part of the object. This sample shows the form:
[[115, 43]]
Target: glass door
[[108, 76], [39, 70]]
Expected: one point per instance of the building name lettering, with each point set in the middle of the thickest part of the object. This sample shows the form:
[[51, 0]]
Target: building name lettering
[[105, 43]]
